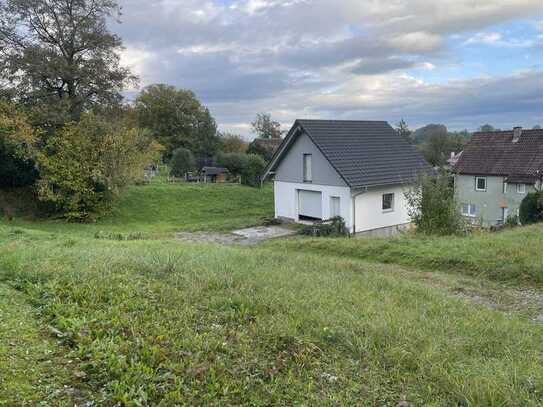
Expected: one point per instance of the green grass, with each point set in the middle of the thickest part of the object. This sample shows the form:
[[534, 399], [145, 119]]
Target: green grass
[[166, 322], [513, 256], [32, 367], [160, 209]]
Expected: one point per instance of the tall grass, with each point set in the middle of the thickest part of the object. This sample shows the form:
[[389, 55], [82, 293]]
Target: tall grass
[[513, 256], [163, 322]]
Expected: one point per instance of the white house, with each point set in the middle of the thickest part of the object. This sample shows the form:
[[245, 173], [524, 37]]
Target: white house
[[358, 170]]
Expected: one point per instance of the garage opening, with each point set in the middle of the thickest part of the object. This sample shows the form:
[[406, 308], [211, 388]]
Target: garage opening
[[310, 205]]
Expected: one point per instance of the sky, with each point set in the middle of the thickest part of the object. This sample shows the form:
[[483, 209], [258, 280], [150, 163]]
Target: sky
[[462, 63]]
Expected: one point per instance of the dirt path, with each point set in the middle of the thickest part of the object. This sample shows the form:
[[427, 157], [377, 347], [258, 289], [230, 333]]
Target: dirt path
[[526, 302], [33, 370]]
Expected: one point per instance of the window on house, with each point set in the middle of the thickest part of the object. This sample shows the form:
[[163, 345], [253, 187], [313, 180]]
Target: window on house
[[480, 183], [505, 214], [521, 188], [388, 202], [308, 176], [335, 209], [504, 187], [469, 210]]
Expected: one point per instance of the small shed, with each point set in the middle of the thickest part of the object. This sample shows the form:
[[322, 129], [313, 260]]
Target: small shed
[[214, 174]]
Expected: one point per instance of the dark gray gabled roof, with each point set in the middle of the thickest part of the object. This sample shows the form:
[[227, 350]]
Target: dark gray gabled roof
[[364, 153]]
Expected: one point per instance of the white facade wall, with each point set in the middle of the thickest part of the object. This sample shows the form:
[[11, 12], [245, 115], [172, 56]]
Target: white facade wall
[[369, 209], [286, 200]]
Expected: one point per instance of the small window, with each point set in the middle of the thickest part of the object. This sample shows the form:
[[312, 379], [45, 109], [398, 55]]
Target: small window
[[335, 208], [504, 187], [469, 210], [505, 214], [521, 188], [388, 202], [480, 183], [308, 176]]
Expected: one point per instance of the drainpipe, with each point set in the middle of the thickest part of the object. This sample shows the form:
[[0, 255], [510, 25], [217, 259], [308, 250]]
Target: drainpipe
[[353, 196]]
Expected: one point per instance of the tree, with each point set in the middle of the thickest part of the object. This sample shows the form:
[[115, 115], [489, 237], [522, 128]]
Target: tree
[[86, 164], [60, 57], [403, 130], [175, 118], [265, 127], [17, 144], [531, 208], [253, 171], [182, 162], [232, 143], [432, 206], [488, 128], [436, 143], [234, 162]]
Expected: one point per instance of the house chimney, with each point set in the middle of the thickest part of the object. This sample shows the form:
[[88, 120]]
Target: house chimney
[[517, 131]]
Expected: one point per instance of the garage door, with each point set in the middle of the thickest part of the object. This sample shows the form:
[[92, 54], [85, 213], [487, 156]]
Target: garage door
[[310, 204]]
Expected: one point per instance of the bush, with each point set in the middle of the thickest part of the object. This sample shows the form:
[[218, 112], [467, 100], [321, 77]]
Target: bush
[[531, 208], [248, 166], [335, 227], [433, 207], [252, 173], [182, 161], [86, 164]]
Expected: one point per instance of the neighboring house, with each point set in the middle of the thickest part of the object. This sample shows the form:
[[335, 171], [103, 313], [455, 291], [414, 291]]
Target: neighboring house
[[496, 171], [358, 170], [214, 174]]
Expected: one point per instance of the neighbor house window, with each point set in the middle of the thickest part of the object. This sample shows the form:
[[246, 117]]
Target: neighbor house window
[[388, 202], [469, 210], [504, 187], [521, 188], [480, 183], [308, 176]]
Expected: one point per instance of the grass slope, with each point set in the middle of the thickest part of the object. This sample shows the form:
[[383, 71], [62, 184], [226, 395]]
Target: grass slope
[[161, 209], [164, 322], [32, 368], [512, 256]]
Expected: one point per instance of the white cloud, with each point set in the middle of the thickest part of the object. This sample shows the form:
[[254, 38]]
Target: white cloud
[[319, 58]]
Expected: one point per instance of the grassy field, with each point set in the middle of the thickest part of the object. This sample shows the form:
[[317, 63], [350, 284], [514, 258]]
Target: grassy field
[[512, 256], [160, 209], [290, 322]]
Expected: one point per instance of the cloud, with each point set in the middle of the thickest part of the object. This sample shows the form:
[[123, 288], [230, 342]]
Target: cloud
[[321, 58]]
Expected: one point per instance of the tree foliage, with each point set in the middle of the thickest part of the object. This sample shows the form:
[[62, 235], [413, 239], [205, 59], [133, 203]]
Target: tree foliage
[[17, 143], [436, 143], [60, 57], [248, 166], [175, 118], [86, 164], [265, 127], [182, 162], [531, 208], [432, 206], [232, 143], [403, 130]]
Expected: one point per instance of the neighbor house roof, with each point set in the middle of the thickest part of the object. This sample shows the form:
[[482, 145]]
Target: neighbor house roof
[[364, 153], [495, 153], [214, 170]]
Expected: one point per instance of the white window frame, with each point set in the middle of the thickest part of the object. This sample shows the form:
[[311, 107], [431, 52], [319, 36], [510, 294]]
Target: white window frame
[[521, 188], [505, 214], [332, 199], [307, 164], [505, 187], [472, 210], [391, 209], [477, 184]]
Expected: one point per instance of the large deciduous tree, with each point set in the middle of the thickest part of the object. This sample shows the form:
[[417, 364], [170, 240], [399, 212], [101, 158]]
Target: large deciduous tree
[[265, 127], [177, 119], [60, 57]]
